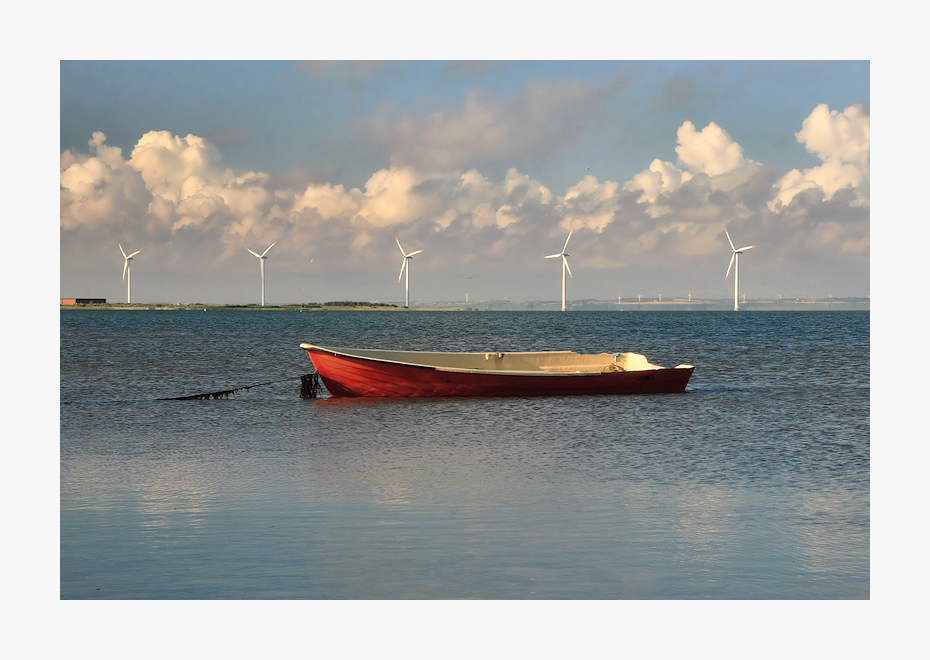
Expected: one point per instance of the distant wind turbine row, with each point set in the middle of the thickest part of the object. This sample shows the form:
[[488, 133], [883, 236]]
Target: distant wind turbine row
[[734, 259], [127, 272], [407, 256]]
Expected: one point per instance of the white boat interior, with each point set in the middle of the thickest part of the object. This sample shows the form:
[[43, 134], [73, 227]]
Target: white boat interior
[[516, 362]]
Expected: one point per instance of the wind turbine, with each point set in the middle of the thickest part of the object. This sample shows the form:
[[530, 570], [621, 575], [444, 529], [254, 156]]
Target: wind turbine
[[263, 257], [403, 267], [735, 259], [565, 267], [127, 271]]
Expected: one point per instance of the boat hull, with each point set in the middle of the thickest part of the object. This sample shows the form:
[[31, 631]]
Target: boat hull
[[354, 376]]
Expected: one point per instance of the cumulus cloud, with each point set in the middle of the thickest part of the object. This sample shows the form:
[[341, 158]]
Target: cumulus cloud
[[589, 204], [172, 185], [328, 201], [682, 208], [400, 196], [841, 141], [661, 178], [710, 167], [174, 167], [710, 151], [709, 154], [391, 197], [99, 188]]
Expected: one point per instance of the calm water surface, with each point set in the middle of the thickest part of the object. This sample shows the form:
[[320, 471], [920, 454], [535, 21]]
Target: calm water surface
[[754, 484]]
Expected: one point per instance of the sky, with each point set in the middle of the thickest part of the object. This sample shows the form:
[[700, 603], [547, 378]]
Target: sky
[[484, 165]]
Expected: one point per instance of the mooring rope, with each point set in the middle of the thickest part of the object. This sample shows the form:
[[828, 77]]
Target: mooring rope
[[310, 387]]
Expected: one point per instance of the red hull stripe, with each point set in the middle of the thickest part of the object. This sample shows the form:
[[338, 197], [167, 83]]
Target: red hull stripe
[[355, 376]]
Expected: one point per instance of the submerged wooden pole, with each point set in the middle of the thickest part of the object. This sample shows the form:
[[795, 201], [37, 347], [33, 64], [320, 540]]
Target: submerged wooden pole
[[310, 386]]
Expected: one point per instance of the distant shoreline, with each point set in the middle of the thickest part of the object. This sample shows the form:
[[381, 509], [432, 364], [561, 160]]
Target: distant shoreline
[[827, 305]]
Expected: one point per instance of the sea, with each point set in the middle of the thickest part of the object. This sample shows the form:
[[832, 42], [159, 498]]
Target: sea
[[754, 484]]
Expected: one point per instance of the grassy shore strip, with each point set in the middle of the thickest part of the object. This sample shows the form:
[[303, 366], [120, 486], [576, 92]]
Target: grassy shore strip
[[330, 306], [838, 305]]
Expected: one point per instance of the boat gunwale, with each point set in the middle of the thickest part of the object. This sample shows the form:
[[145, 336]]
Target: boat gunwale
[[499, 372]]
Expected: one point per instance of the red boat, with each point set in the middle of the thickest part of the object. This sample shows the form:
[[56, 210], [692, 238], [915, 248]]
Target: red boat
[[376, 373]]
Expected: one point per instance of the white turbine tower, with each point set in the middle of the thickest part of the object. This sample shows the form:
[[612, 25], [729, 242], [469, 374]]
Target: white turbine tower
[[262, 257], [403, 267], [735, 259], [127, 271], [565, 267]]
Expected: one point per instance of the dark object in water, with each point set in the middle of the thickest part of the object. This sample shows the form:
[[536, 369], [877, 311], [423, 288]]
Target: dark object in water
[[310, 386], [224, 394]]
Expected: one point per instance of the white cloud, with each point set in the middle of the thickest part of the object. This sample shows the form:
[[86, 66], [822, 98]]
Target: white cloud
[[169, 184], [331, 202], [841, 141], [390, 198], [589, 204], [661, 178], [514, 182], [174, 167], [710, 151], [833, 135], [99, 189], [175, 184]]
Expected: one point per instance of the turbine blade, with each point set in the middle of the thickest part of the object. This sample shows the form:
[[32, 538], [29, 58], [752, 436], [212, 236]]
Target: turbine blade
[[402, 266], [121, 249], [400, 246], [746, 248], [255, 253], [134, 254], [729, 239], [565, 261], [413, 253], [567, 240], [125, 266], [552, 256], [732, 257]]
